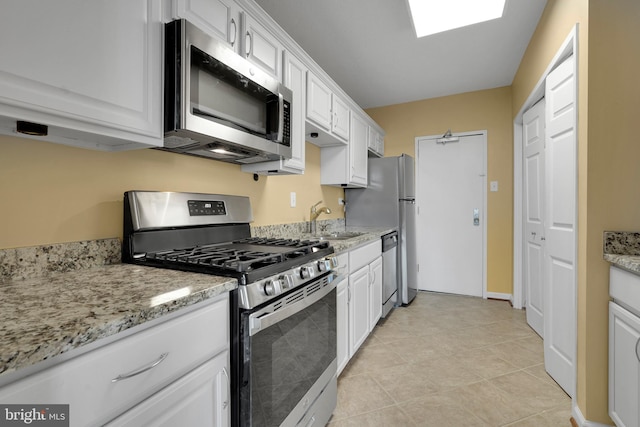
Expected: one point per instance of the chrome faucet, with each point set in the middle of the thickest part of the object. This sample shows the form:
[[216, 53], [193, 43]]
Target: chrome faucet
[[315, 213]]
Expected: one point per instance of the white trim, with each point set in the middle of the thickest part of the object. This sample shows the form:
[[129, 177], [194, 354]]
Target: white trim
[[484, 133], [500, 295], [581, 421]]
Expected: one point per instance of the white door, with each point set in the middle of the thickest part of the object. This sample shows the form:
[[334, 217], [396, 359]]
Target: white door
[[560, 226], [450, 214], [533, 134]]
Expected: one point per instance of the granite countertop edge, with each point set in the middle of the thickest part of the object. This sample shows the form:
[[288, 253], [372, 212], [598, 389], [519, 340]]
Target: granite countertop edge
[[53, 315], [622, 249]]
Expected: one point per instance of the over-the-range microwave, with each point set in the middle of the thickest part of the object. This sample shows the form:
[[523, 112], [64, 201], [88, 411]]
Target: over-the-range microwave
[[219, 105]]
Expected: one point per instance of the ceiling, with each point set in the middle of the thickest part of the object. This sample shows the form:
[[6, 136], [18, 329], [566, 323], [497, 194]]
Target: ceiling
[[370, 50]]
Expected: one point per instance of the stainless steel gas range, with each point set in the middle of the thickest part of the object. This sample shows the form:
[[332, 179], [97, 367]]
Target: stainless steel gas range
[[283, 314]]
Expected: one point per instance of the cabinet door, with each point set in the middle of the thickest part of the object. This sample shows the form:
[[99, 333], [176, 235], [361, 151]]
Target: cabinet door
[[92, 67], [200, 398], [358, 309], [358, 150], [624, 366], [295, 74], [340, 118], [375, 142], [219, 18], [375, 292], [261, 47], [342, 308], [318, 102]]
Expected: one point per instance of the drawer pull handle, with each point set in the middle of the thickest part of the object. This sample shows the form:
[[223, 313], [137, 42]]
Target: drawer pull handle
[[638, 353], [141, 370]]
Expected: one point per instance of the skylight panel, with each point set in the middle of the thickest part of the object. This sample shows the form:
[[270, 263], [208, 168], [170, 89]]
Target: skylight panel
[[436, 16]]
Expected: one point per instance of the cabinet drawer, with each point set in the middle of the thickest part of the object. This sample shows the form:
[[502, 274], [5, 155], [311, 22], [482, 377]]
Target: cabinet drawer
[[624, 287], [343, 263], [86, 382], [363, 255]]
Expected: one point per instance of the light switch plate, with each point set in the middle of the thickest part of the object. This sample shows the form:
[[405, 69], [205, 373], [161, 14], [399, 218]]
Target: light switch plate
[[494, 185], [293, 199]]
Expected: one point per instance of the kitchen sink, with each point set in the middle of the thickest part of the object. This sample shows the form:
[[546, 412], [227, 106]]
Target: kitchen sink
[[341, 235]]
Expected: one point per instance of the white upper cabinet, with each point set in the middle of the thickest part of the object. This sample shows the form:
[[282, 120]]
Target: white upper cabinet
[[261, 47], [340, 117], [218, 18], [346, 166], [89, 70], [318, 102], [294, 78], [358, 151], [375, 143], [327, 114]]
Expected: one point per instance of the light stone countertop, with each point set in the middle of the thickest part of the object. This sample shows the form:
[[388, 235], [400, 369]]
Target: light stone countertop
[[48, 310], [369, 234], [50, 315], [622, 249]]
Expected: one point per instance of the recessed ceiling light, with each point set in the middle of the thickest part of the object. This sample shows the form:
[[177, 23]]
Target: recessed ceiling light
[[435, 16]]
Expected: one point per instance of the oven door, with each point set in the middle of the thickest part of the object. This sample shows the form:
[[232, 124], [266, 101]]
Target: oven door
[[289, 356]]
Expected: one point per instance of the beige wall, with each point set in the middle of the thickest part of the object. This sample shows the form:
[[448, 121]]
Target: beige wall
[[483, 110], [51, 193], [557, 21], [608, 173], [613, 174]]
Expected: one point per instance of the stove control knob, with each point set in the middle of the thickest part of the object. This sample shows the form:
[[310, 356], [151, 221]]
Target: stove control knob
[[286, 281], [272, 287], [333, 262], [306, 272], [323, 265]]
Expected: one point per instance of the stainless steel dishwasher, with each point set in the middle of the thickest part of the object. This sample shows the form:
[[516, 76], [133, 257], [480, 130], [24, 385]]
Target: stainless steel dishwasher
[[389, 272]]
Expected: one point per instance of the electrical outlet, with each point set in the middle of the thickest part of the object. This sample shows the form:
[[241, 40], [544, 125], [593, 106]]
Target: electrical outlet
[[494, 185], [293, 199]]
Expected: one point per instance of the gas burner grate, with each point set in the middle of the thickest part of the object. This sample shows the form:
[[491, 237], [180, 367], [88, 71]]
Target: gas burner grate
[[222, 257]]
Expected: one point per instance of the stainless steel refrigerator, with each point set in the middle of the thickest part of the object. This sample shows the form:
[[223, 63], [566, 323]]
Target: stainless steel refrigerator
[[389, 201]]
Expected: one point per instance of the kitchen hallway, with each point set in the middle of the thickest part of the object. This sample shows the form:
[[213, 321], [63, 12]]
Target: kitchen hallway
[[449, 360]]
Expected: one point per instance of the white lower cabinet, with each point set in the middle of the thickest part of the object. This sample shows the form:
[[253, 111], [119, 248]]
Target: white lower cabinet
[[358, 308], [188, 401], [359, 299], [624, 366], [624, 348], [375, 292], [144, 368]]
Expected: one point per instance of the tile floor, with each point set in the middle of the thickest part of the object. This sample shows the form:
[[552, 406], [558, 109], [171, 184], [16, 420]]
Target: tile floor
[[449, 360]]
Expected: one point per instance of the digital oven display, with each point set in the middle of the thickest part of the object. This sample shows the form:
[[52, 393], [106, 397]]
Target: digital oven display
[[206, 207]]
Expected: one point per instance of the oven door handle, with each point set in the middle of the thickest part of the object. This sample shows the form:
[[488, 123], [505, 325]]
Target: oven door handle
[[266, 317]]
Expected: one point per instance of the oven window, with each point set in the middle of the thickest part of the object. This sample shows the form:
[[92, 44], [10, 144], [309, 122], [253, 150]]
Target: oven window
[[220, 94], [287, 358]]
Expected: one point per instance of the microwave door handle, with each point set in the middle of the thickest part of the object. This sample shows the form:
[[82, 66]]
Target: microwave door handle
[[280, 136]]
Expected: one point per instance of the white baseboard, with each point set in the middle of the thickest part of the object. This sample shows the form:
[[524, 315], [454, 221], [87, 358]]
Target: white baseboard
[[579, 418], [497, 295]]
